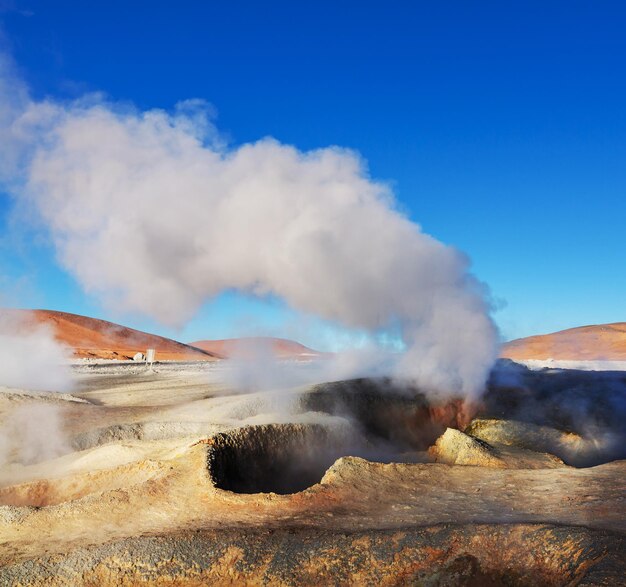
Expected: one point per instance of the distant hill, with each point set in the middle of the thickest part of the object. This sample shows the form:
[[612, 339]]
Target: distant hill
[[602, 342], [281, 348], [99, 339]]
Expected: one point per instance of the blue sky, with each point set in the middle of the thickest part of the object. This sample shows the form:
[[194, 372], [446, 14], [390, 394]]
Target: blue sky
[[501, 126]]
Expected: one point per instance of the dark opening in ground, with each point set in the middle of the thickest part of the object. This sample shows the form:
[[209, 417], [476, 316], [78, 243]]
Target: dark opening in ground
[[363, 418], [386, 411], [278, 458]]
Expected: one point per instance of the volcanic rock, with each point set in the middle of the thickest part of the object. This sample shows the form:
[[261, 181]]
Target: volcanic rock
[[180, 483], [446, 555], [456, 448], [524, 435]]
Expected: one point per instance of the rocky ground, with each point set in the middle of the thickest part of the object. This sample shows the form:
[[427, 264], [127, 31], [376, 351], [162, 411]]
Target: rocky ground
[[166, 477]]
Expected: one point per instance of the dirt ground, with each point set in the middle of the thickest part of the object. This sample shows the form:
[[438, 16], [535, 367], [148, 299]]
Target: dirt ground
[[166, 477]]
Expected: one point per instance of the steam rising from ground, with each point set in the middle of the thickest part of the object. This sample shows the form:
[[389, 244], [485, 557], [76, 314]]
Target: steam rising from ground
[[30, 357], [589, 403], [33, 433], [255, 366], [151, 212]]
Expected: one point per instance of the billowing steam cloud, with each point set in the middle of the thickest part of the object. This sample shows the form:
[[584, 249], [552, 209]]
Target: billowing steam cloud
[[150, 211]]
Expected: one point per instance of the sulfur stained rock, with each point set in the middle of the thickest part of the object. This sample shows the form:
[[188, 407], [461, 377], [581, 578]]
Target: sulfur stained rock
[[456, 448], [569, 446], [443, 555]]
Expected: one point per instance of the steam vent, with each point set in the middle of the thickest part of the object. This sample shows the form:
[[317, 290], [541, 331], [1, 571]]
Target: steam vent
[[158, 475]]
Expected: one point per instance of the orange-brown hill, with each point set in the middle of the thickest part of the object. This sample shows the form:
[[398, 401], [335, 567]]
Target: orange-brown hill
[[281, 348], [586, 343], [99, 339]]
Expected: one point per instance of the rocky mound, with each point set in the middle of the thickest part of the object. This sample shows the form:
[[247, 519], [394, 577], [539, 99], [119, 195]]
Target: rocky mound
[[603, 342], [99, 339], [568, 446], [456, 448]]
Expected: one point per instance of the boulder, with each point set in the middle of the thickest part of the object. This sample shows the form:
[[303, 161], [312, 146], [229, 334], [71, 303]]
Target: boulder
[[457, 448], [569, 446]]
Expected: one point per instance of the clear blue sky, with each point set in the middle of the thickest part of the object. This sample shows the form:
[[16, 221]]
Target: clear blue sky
[[502, 126]]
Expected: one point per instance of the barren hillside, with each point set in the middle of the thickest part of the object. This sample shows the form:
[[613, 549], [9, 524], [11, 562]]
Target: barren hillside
[[243, 347], [93, 338], [592, 343]]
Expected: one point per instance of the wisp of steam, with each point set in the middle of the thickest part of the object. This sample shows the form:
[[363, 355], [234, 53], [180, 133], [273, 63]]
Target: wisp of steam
[[30, 356], [152, 211], [31, 360]]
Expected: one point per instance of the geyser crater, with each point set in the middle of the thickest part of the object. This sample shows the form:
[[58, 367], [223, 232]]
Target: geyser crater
[[370, 420]]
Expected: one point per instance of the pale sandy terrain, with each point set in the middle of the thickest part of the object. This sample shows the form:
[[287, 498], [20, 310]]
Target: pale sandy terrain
[[603, 342], [168, 478]]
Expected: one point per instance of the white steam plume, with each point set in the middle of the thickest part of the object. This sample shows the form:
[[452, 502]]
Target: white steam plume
[[32, 433], [30, 357], [151, 212]]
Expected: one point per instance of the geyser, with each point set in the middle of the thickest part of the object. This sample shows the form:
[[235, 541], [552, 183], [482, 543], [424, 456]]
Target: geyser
[[367, 419], [264, 218]]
